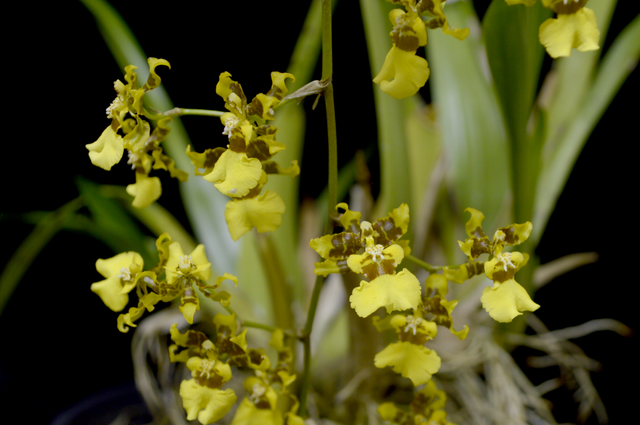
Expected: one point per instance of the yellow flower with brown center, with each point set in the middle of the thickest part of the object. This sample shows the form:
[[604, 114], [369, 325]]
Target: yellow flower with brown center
[[371, 249], [143, 146], [426, 408], [120, 278], [403, 72], [507, 298], [574, 27], [202, 397], [241, 170], [409, 357]]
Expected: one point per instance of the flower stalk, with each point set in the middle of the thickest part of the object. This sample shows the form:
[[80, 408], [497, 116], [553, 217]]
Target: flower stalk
[[332, 200], [184, 111]]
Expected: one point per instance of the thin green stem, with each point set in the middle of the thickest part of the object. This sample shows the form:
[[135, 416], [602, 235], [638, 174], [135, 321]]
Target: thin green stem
[[327, 72], [333, 149], [249, 324], [306, 341], [183, 111], [256, 325], [313, 305], [428, 267], [230, 310]]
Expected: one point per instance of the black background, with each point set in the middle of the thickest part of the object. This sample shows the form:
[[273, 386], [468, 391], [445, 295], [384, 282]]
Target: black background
[[60, 344]]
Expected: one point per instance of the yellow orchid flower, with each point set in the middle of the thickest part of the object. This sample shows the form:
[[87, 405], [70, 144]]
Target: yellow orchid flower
[[426, 408], [240, 171], [409, 357], [507, 298], [268, 405], [183, 273], [120, 278], [577, 30], [371, 237], [394, 292], [143, 146], [371, 249], [435, 303], [403, 73], [202, 397], [575, 27]]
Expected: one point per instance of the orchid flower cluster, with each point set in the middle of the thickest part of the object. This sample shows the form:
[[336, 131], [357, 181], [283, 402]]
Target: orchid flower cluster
[[373, 250], [145, 153], [124, 273], [269, 400], [404, 73], [240, 171]]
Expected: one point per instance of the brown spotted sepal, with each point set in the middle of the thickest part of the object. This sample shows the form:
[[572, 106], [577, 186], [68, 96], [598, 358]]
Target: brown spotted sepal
[[367, 243], [478, 242], [240, 170], [507, 298], [436, 306], [427, 407]]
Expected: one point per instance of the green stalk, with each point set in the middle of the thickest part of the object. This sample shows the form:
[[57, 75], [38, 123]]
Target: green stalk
[[327, 72], [29, 249], [333, 150], [184, 111], [418, 262], [306, 341]]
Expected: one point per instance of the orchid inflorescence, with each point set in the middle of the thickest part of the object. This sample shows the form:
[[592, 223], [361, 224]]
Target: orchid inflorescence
[[372, 250]]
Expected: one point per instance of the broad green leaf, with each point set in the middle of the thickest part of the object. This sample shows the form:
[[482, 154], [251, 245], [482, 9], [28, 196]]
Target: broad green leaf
[[570, 78], [617, 64], [395, 176], [427, 166], [468, 111], [23, 257], [515, 57]]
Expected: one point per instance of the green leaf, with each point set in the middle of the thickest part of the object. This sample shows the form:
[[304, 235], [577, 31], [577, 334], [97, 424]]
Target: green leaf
[[427, 169], [155, 217], [395, 176], [618, 63], [515, 57], [468, 111], [114, 226], [570, 78], [23, 257]]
